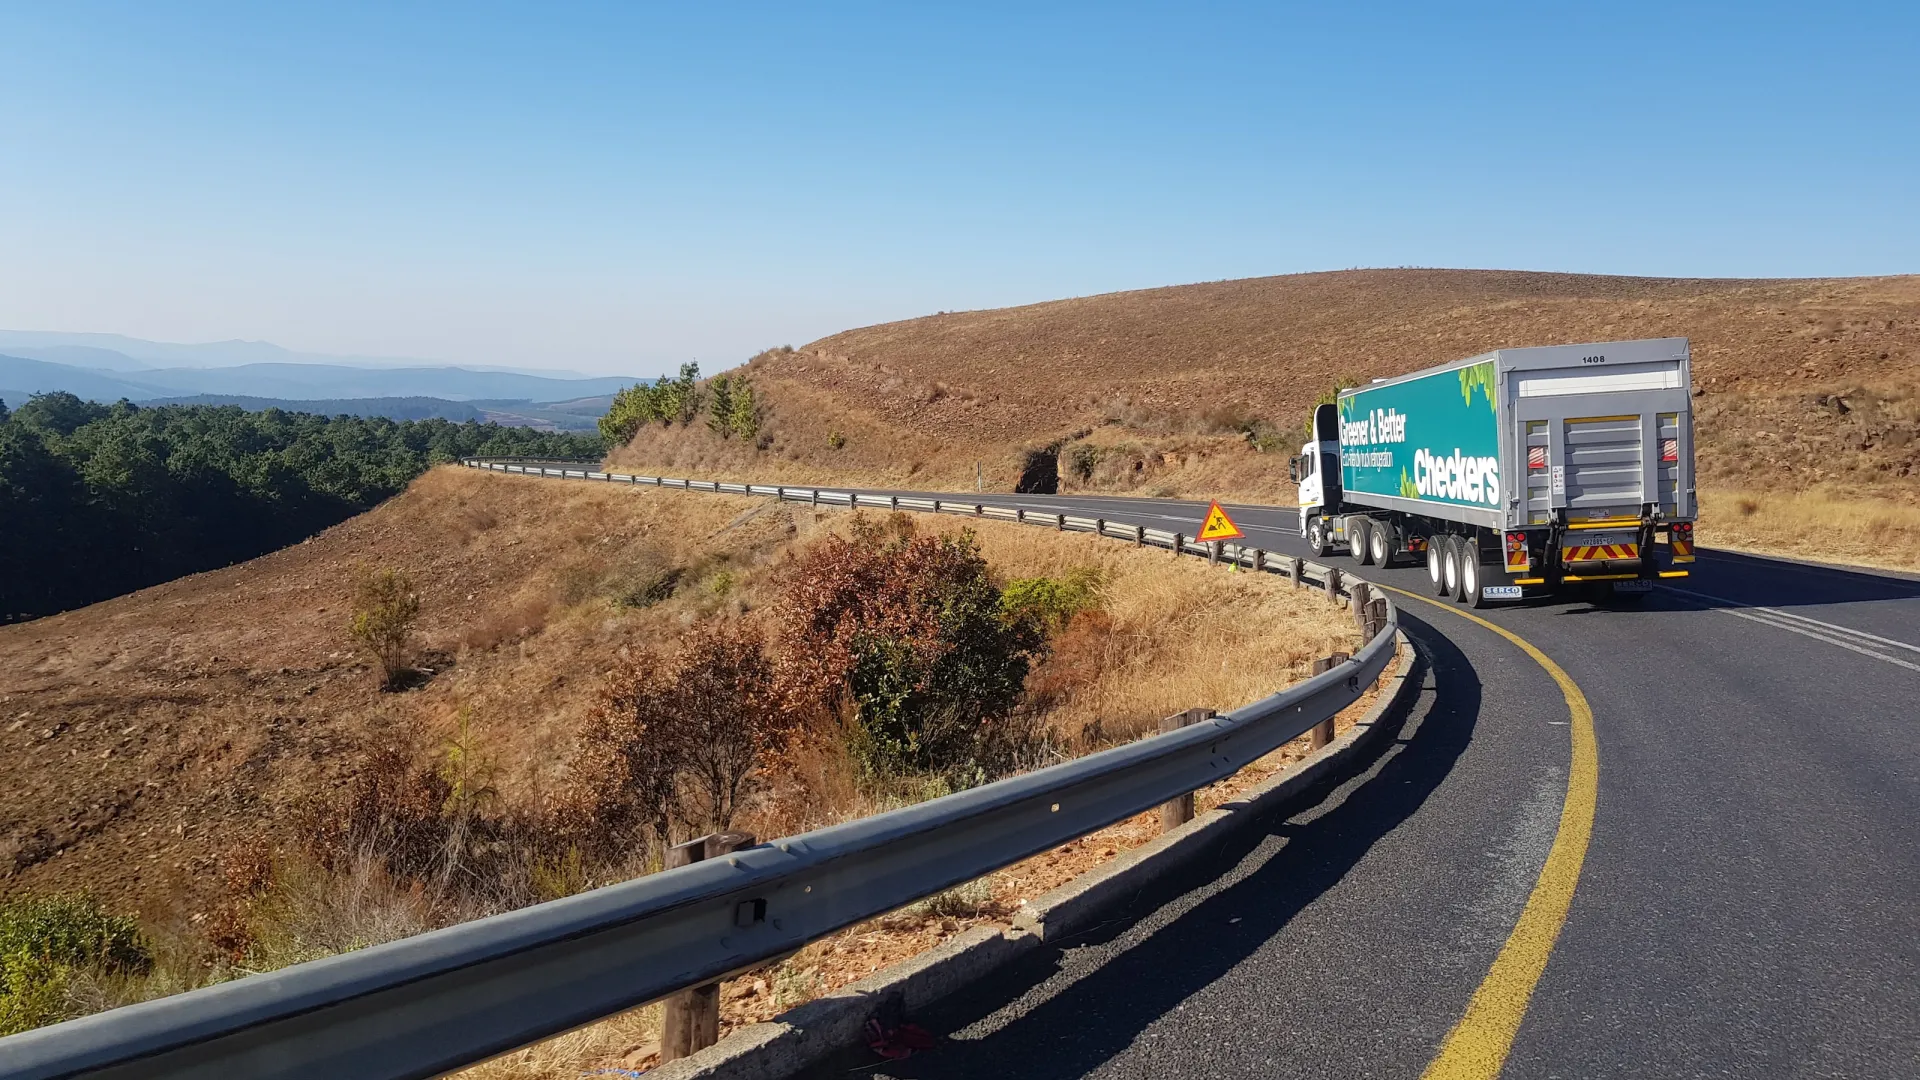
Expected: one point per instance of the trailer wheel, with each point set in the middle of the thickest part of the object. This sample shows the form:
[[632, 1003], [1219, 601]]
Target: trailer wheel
[[1359, 540], [1450, 561], [1317, 538], [1381, 543], [1470, 572], [1437, 563]]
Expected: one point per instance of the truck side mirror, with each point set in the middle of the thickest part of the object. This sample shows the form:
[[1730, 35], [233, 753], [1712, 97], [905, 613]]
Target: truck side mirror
[[1293, 469]]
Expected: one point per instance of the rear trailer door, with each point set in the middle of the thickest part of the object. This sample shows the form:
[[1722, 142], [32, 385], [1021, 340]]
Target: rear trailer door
[[1602, 432]]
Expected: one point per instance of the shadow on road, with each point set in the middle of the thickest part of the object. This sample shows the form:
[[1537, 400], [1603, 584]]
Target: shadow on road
[[1756, 579], [1158, 958]]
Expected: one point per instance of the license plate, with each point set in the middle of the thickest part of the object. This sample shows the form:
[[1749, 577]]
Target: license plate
[[1500, 592], [1636, 585]]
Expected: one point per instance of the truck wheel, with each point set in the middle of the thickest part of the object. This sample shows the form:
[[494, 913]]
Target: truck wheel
[[1359, 543], [1470, 572], [1450, 560], [1381, 543], [1317, 538], [1437, 563]]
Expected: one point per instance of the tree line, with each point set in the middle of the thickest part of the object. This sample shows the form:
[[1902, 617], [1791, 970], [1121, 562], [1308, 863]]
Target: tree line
[[727, 400], [98, 500]]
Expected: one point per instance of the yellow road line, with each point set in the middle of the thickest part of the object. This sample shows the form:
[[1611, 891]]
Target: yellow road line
[[1477, 1046]]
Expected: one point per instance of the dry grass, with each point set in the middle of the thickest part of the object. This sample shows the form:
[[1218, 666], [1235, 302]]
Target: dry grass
[[1171, 635], [143, 734], [1801, 382], [1813, 525]]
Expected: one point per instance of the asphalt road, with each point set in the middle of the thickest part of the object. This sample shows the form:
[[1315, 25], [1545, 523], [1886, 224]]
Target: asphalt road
[[1749, 904]]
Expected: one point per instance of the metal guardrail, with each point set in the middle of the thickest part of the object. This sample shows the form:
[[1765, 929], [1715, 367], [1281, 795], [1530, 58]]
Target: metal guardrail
[[432, 1003]]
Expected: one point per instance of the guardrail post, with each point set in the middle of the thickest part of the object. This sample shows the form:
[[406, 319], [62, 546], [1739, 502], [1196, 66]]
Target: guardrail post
[[1260, 560], [1376, 618], [979, 510], [1179, 542], [936, 506], [1322, 733], [1059, 523], [692, 1017], [1178, 811], [1360, 592], [1139, 536], [893, 502], [1020, 514], [1333, 584], [1099, 526]]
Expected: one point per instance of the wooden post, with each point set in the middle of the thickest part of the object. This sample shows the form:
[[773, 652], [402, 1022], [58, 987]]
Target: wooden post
[[1099, 526], [1139, 536], [1360, 592], [1020, 514], [1179, 543], [893, 502], [1178, 811], [813, 496], [1376, 617], [979, 510], [1322, 733], [1333, 584], [1295, 570], [691, 1020], [1059, 523], [1260, 559]]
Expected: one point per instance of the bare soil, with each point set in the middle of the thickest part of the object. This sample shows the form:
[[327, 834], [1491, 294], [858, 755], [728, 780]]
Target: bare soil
[[1801, 384]]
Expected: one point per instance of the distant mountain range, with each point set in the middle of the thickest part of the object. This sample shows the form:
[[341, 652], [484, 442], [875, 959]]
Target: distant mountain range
[[23, 375], [580, 415], [117, 352]]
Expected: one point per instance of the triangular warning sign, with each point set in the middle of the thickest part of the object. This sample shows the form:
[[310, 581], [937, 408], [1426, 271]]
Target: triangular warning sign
[[1218, 525]]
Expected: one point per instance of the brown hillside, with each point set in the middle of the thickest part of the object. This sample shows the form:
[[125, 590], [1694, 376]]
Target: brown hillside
[[143, 736], [1799, 381]]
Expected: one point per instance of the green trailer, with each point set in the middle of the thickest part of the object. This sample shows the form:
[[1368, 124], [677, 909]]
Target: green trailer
[[1513, 473]]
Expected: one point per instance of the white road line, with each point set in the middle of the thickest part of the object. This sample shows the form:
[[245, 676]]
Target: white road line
[[1805, 627]]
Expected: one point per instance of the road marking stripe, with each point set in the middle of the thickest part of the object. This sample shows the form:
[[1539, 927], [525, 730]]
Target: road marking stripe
[[1477, 1047], [1805, 627], [1818, 636]]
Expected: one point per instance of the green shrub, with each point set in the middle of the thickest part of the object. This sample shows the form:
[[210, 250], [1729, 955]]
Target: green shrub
[[720, 405], [384, 610], [743, 414], [45, 940], [835, 440], [902, 638], [1047, 604], [1081, 461]]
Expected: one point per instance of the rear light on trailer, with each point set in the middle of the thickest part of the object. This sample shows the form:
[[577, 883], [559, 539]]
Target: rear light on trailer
[[1680, 539], [1669, 450], [1519, 559], [1536, 457]]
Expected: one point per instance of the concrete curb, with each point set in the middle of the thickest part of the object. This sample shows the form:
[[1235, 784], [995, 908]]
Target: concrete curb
[[801, 1036]]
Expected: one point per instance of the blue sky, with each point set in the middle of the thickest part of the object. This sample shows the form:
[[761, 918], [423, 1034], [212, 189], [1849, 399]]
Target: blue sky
[[620, 187]]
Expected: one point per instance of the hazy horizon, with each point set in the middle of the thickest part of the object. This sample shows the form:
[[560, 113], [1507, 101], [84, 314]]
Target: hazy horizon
[[612, 190]]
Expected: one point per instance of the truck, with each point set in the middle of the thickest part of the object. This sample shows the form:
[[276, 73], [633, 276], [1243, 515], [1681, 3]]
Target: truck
[[1513, 474]]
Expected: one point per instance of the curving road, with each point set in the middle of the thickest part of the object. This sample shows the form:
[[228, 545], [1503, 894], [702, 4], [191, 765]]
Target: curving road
[[1749, 904]]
